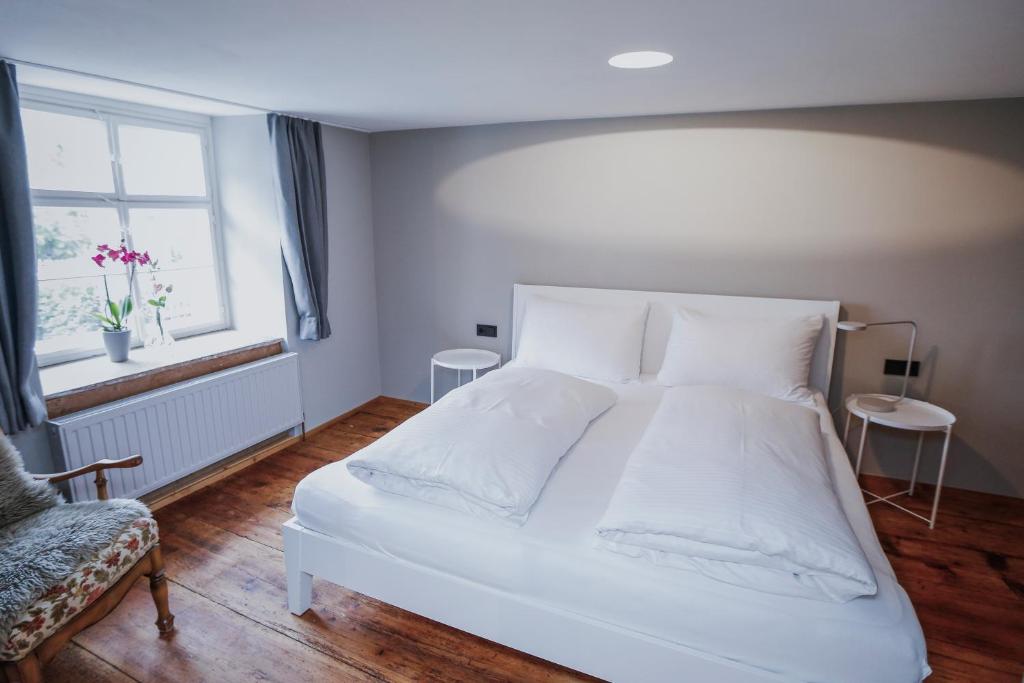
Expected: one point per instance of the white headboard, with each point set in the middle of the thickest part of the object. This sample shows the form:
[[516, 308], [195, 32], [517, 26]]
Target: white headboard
[[659, 320]]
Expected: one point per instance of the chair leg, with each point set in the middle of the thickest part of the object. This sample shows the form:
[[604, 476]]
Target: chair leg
[[27, 670], [158, 587]]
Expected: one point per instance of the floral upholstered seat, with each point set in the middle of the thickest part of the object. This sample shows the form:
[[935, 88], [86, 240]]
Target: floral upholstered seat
[[82, 587], [64, 566]]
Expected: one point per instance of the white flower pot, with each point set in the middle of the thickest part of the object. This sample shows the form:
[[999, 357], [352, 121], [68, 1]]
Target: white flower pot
[[117, 344]]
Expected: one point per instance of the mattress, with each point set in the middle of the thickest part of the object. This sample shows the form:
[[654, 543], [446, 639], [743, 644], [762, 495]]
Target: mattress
[[552, 560]]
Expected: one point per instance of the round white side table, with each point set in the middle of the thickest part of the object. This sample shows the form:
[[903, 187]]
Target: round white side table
[[462, 359], [912, 415]]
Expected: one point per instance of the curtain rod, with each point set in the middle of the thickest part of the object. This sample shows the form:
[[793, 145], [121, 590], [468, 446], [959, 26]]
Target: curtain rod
[[171, 91]]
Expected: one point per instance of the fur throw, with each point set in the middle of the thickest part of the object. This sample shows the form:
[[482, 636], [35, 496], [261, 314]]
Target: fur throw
[[20, 494], [49, 538]]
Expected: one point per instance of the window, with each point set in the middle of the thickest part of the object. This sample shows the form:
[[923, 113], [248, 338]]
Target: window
[[101, 172]]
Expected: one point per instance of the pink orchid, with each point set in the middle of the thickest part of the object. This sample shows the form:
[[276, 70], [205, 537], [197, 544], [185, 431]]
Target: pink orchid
[[131, 260]]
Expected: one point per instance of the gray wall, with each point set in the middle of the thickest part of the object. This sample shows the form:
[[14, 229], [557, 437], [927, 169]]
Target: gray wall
[[906, 211], [343, 371], [34, 446]]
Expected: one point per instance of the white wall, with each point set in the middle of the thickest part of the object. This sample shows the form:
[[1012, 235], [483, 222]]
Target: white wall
[[909, 211], [250, 236]]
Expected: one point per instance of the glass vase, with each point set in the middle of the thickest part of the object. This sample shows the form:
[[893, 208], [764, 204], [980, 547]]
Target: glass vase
[[157, 334]]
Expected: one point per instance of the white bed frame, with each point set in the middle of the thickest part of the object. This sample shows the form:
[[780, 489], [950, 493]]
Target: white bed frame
[[573, 640]]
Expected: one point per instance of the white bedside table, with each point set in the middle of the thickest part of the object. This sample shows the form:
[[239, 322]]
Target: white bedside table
[[462, 359], [912, 415]]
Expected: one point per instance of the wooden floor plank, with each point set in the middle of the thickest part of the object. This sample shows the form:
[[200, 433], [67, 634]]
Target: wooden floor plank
[[391, 407], [210, 643], [75, 663], [223, 548], [983, 507], [249, 578], [338, 442], [990, 538], [965, 578], [953, 670], [946, 651], [330, 448], [220, 507], [367, 424]]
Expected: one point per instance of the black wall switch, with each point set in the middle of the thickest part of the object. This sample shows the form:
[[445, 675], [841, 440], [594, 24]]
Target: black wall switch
[[899, 367], [486, 330]]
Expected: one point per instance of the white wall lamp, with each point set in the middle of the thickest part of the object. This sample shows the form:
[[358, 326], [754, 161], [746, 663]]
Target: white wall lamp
[[886, 404]]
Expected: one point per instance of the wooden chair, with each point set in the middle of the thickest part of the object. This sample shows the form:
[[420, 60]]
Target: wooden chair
[[28, 669]]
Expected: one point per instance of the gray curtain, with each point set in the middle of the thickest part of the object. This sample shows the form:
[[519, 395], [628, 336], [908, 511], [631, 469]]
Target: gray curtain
[[299, 154], [21, 396]]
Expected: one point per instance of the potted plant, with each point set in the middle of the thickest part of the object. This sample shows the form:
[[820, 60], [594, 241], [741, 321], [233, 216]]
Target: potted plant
[[117, 336]]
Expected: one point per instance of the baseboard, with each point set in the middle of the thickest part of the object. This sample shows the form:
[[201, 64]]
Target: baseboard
[[235, 463], [219, 470]]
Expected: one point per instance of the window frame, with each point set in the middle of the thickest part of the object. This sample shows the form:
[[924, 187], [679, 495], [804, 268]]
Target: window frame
[[113, 113]]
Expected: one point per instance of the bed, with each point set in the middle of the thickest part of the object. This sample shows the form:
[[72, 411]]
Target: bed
[[544, 588]]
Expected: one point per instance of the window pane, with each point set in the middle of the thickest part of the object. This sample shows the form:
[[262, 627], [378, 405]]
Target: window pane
[[65, 319], [67, 152], [194, 299], [66, 239], [157, 161], [177, 238]]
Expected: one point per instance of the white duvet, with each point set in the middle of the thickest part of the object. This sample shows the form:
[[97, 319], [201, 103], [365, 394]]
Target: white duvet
[[735, 485], [488, 447]]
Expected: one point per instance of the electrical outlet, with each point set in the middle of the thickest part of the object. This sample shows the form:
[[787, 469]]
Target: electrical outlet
[[486, 330], [899, 367]]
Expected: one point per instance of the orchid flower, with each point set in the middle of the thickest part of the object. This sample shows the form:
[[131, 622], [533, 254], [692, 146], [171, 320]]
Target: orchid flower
[[115, 314]]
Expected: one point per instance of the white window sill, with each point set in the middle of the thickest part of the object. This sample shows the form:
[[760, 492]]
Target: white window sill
[[79, 374]]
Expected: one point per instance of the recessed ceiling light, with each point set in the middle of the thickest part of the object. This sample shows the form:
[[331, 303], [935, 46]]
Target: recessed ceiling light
[[640, 60]]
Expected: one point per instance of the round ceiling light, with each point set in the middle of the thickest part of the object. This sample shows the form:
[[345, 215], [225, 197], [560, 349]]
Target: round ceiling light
[[645, 59]]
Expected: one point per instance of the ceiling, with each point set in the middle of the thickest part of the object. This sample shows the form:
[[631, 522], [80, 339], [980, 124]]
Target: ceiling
[[387, 64]]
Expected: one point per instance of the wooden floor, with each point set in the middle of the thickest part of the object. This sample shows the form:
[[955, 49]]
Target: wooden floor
[[224, 559]]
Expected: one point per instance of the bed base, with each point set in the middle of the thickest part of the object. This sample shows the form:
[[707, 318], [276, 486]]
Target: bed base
[[572, 640]]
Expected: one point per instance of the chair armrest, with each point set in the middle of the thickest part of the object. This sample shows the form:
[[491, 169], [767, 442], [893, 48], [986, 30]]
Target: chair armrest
[[98, 467]]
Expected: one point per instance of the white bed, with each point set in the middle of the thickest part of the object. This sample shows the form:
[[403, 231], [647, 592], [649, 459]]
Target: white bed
[[545, 589]]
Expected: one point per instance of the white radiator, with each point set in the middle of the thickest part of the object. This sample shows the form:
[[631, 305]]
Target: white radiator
[[180, 428]]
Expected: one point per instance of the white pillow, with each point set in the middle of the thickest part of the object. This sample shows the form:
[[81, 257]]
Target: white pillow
[[586, 340], [771, 356]]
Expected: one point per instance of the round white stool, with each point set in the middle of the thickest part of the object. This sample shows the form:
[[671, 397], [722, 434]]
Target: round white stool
[[462, 359], [912, 415]]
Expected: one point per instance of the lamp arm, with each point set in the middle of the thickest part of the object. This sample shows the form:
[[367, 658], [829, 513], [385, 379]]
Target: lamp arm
[[910, 351]]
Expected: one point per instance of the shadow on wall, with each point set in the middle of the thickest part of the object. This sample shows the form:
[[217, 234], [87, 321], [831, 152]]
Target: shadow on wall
[[739, 192], [890, 453], [921, 123], [898, 211]]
